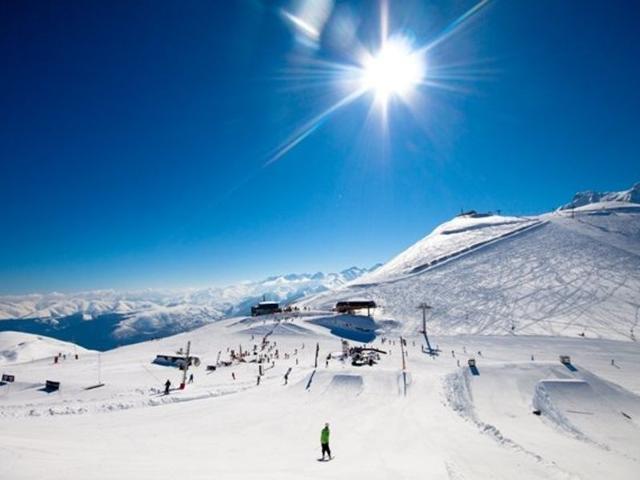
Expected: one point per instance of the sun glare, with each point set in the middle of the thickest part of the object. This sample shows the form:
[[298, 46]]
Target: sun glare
[[395, 70], [398, 70]]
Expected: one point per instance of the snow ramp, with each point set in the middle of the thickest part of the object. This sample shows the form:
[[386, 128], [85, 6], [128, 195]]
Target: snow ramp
[[575, 408], [592, 410], [345, 385], [382, 384], [324, 382]]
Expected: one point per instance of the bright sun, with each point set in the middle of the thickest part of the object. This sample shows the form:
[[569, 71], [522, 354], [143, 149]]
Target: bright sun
[[394, 70]]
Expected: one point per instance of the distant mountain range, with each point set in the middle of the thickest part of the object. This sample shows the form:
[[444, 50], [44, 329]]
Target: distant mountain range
[[106, 318], [585, 198]]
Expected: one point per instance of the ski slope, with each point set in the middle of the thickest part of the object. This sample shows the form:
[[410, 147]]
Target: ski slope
[[449, 425], [17, 347], [565, 274], [452, 238]]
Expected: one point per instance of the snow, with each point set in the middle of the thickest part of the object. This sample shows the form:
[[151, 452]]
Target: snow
[[17, 347], [460, 234], [449, 425], [563, 274]]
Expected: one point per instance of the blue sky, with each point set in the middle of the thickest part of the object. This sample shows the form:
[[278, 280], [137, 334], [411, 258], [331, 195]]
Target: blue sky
[[135, 134]]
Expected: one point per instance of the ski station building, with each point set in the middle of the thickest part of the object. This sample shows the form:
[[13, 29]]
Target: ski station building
[[265, 308], [350, 306]]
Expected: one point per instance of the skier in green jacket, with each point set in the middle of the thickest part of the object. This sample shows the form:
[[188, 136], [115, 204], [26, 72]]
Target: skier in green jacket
[[324, 441]]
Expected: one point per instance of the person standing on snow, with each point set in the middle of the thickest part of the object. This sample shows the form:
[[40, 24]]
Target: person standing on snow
[[324, 441], [167, 384]]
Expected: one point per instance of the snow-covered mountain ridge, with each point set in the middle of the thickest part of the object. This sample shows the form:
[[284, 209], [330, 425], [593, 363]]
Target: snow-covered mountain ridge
[[570, 272], [216, 300], [581, 199]]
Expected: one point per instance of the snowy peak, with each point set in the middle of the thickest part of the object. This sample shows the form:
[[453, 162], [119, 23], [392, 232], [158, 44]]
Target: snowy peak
[[456, 237], [329, 280], [353, 273], [588, 197]]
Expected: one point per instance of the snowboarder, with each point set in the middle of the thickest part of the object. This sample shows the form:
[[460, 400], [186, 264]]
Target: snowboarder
[[167, 385], [324, 441]]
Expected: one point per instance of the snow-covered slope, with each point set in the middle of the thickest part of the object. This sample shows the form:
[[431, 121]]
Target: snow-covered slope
[[447, 424], [17, 347], [565, 273], [457, 236]]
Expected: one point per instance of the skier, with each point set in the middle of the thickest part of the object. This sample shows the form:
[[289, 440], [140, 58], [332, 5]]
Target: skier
[[191, 378], [324, 441], [167, 384]]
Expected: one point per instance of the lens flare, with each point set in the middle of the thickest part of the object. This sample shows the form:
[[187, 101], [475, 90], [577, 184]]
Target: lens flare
[[397, 70], [394, 70]]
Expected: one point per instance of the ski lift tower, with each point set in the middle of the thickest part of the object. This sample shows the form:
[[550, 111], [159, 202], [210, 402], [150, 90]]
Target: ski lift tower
[[185, 368], [424, 307]]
